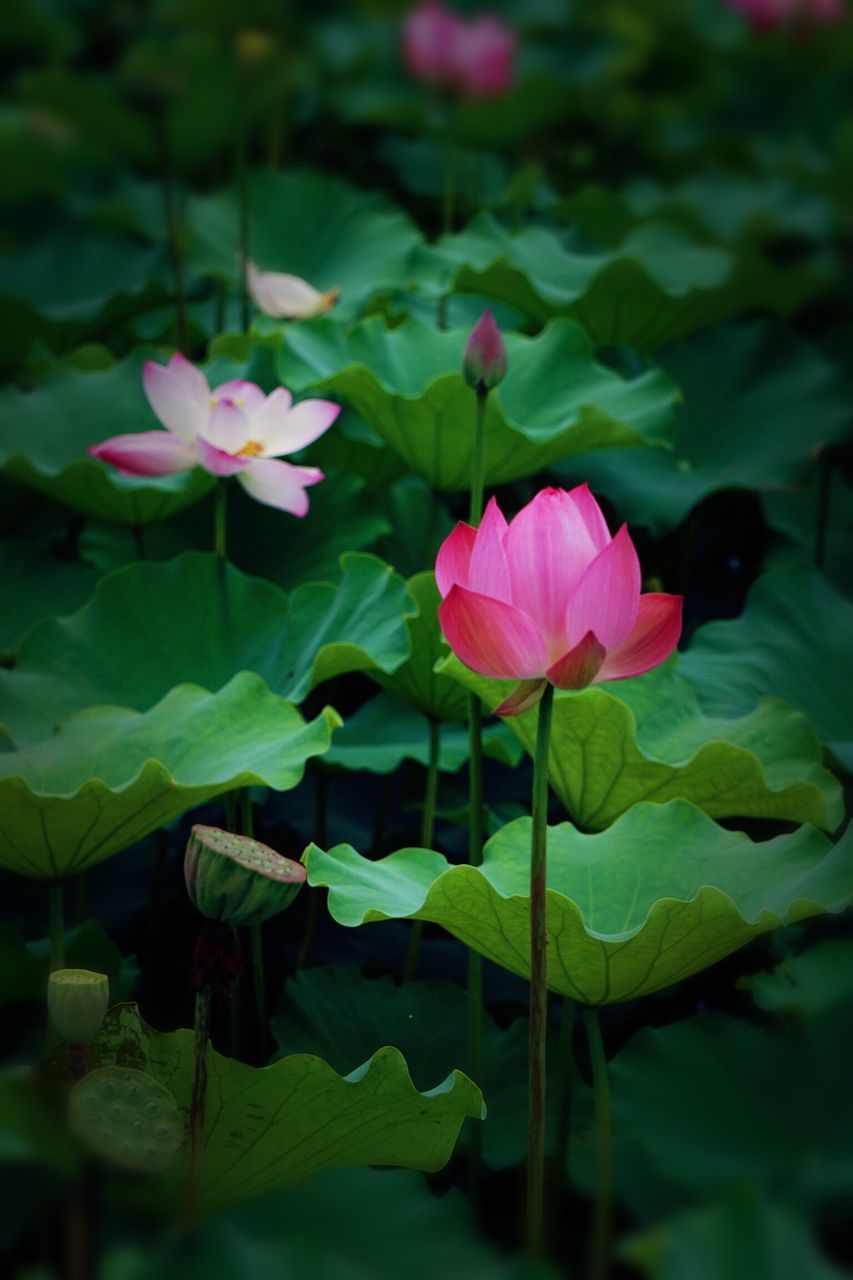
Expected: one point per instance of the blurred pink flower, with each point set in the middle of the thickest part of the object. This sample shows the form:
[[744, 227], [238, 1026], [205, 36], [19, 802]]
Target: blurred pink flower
[[766, 14], [287, 297], [471, 58], [551, 597], [233, 430]]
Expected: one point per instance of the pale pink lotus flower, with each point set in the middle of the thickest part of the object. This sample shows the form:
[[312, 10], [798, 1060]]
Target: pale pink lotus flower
[[551, 597], [235, 429], [766, 14], [287, 297], [473, 58]]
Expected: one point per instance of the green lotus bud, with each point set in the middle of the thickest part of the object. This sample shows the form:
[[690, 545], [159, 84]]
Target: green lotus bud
[[237, 879], [127, 1118], [77, 1000]]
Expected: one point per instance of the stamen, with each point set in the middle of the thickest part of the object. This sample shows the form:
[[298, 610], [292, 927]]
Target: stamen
[[251, 449]]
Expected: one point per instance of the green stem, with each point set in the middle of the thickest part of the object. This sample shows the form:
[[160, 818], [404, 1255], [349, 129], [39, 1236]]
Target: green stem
[[599, 1255], [198, 1103], [243, 196], [564, 1115], [410, 968], [256, 938], [538, 983], [475, 813], [447, 210], [174, 236], [220, 511], [824, 483], [57, 926], [320, 826], [478, 460]]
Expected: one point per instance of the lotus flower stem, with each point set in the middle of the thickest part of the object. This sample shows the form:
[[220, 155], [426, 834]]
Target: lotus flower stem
[[256, 938], [57, 926], [447, 210], [321, 806], [475, 800], [410, 968], [599, 1253], [220, 511], [824, 487], [173, 233], [243, 197], [198, 1102], [564, 1116], [538, 982]]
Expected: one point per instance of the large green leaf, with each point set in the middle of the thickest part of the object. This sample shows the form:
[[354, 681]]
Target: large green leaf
[[813, 981], [406, 384], [287, 1234], [274, 1126], [741, 1238], [415, 680], [44, 434], [766, 1107], [341, 1015], [385, 732], [658, 285], [151, 626], [793, 639], [314, 226], [109, 775], [36, 584], [661, 894], [741, 425], [649, 739]]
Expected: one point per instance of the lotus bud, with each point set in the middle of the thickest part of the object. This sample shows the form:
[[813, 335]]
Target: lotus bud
[[236, 879], [77, 1001], [484, 363]]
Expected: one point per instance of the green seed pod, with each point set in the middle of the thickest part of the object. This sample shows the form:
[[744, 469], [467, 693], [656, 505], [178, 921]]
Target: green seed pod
[[77, 1001], [127, 1118], [236, 879]]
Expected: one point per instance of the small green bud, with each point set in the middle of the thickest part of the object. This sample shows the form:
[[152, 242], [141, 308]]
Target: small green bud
[[77, 1000], [237, 879]]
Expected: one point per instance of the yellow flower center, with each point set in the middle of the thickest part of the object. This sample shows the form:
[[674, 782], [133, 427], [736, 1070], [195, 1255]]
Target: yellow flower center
[[251, 449]]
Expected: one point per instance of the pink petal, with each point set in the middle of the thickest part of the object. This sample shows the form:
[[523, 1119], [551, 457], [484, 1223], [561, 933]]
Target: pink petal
[[146, 453], [548, 548], [607, 596], [430, 35], [651, 642], [590, 512], [282, 429], [278, 484], [524, 696], [246, 395], [217, 461], [488, 571], [578, 668], [179, 395], [491, 637], [454, 557], [228, 428]]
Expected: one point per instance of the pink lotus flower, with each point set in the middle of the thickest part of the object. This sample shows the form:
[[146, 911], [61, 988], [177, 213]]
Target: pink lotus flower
[[551, 597], [233, 430], [472, 58], [766, 14], [287, 297]]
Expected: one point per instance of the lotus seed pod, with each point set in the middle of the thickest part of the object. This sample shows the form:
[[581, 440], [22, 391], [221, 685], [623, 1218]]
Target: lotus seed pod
[[127, 1118], [237, 879], [77, 1001]]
